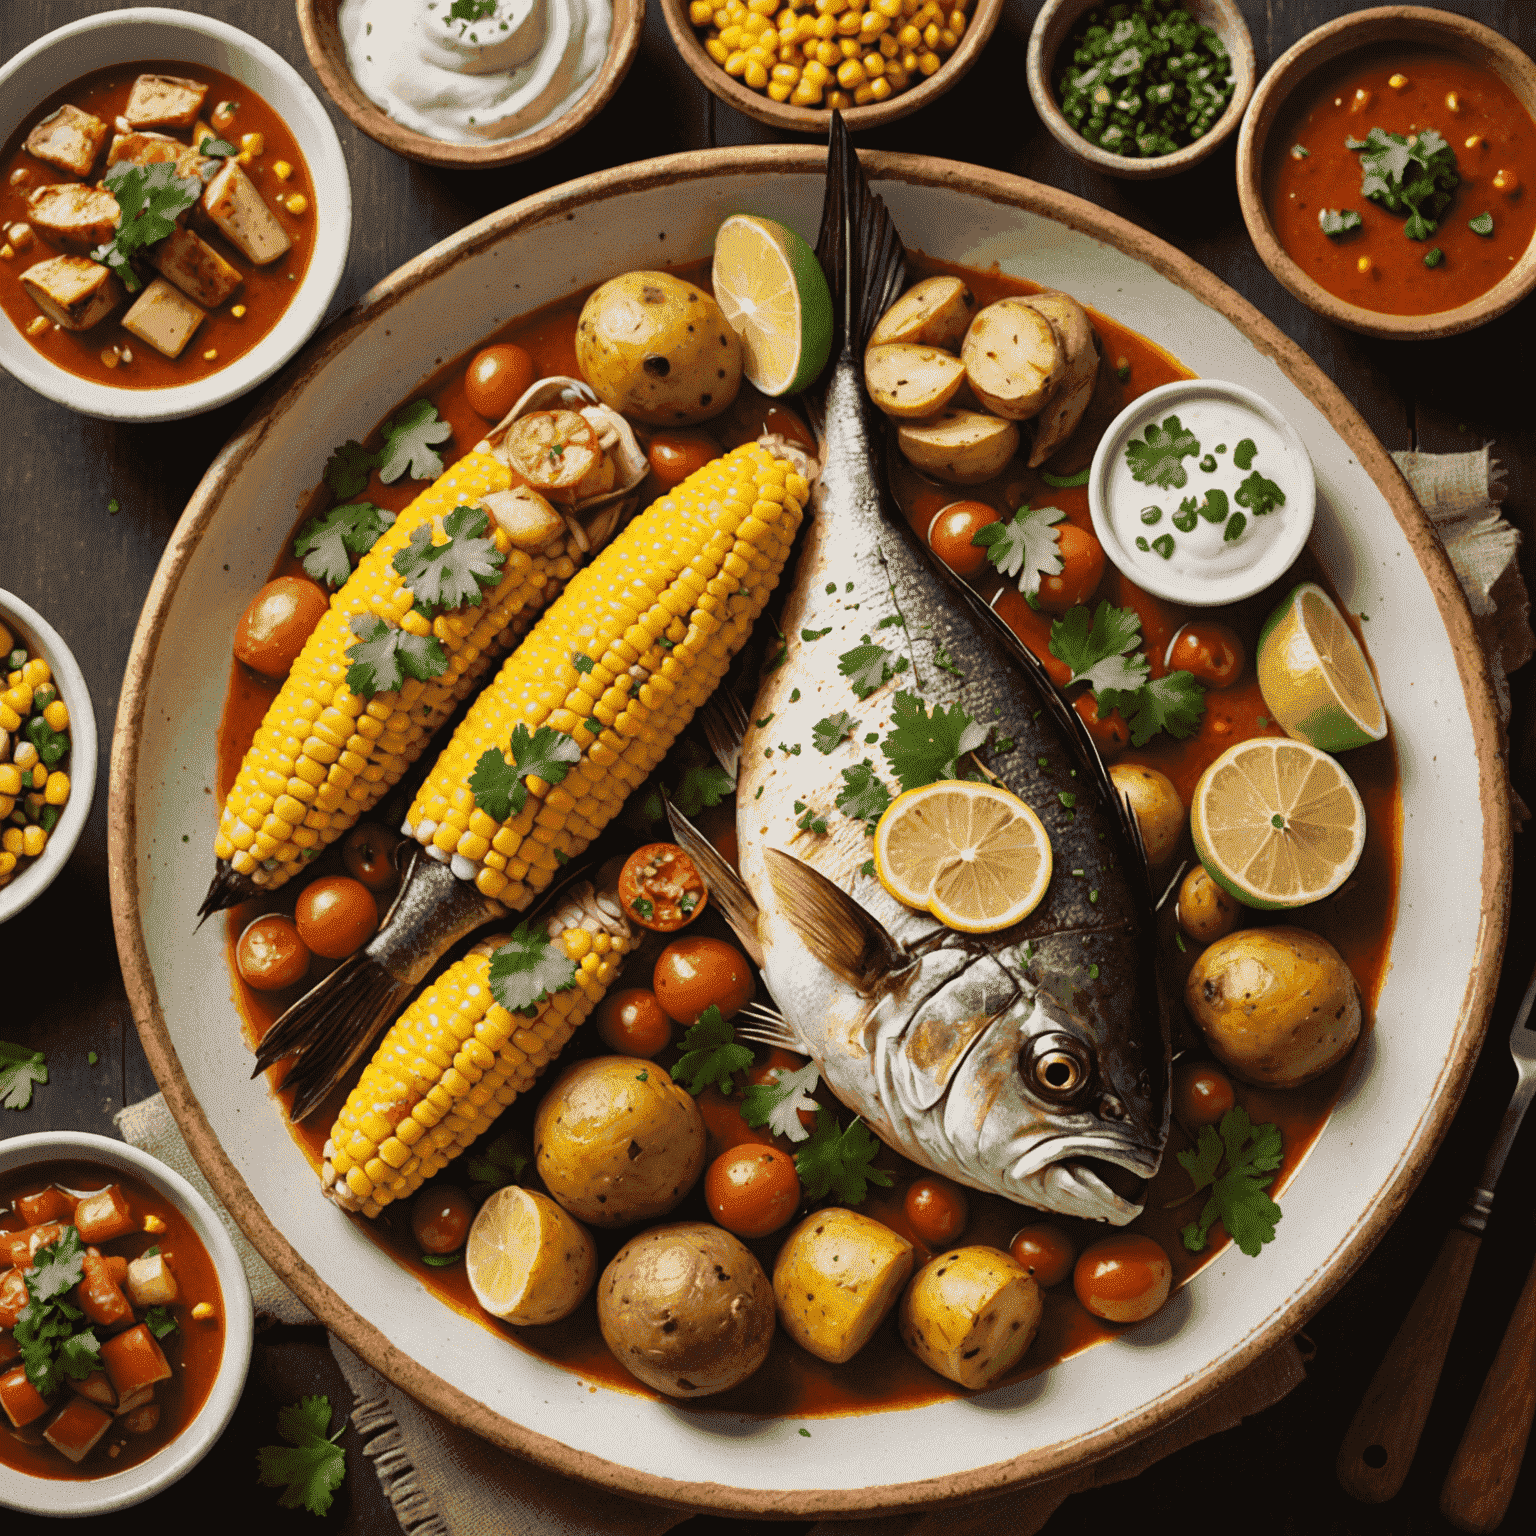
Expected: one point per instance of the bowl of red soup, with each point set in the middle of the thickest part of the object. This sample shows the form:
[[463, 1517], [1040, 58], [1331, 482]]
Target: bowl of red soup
[[1387, 172], [125, 1324], [174, 214]]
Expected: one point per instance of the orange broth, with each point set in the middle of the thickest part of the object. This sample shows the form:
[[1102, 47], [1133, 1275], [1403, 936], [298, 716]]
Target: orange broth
[[1358, 920]]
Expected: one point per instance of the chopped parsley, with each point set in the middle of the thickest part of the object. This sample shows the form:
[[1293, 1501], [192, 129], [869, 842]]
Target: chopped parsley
[[326, 544], [347, 469], [1065, 482], [498, 785], [1414, 176], [711, 1056], [408, 444], [1481, 225], [1094, 646], [1259, 495], [778, 1104], [815, 634], [382, 656], [829, 733], [864, 795], [1335, 222], [502, 1162], [528, 968], [923, 748], [1174, 703], [150, 198], [1245, 453], [1027, 547], [1156, 457], [837, 1162], [869, 665], [451, 574]]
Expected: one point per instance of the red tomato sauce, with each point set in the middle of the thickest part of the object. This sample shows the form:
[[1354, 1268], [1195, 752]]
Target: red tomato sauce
[[1489, 131]]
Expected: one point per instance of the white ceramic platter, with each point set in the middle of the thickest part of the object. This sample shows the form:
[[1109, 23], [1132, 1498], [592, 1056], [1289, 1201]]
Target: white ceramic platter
[[1407, 1077]]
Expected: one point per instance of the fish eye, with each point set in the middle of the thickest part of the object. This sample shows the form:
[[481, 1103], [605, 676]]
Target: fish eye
[[1057, 1066]]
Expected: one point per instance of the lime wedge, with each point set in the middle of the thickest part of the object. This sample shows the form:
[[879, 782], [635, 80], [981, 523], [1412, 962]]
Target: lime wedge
[[775, 297]]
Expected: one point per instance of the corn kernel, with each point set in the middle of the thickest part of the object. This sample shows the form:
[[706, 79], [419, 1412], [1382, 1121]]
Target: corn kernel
[[238, 311], [20, 236], [153, 1223], [56, 788], [202, 1311], [297, 204], [1397, 82], [57, 715], [848, 24], [12, 841], [1506, 181], [839, 100], [1475, 141], [1453, 101], [39, 776], [253, 143], [7, 253], [928, 62], [701, 13], [848, 47], [24, 754], [850, 73], [863, 95], [33, 841], [7, 864], [717, 50], [1362, 99], [1363, 264], [805, 94], [874, 65], [788, 74], [7, 805], [282, 170], [880, 89], [211, 355], [736, 64]]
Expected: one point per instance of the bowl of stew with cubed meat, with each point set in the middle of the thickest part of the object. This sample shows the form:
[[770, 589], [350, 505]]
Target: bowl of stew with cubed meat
[[125, 1324], [174, 214]]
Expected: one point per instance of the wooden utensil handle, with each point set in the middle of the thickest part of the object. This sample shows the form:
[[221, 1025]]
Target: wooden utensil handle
[[1482, 1478], [1378, 1449]]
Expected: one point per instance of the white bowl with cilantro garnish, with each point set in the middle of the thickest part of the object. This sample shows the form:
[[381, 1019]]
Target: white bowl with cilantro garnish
[[1202, 492]]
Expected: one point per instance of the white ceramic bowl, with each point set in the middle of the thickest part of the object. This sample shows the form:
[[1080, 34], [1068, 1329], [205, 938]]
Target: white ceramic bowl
[[118, 1490], [31, 629], [152, 32]]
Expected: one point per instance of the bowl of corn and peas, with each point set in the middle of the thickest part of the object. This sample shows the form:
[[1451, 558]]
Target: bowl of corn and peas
[[788, 63]]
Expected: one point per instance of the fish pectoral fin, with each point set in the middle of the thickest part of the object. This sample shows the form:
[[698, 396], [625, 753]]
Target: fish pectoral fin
[[726, 887], [724, 718], [846, 939]]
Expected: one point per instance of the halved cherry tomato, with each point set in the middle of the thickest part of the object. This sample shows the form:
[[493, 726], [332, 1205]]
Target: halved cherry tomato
[[937, 1210], [1124, 1278], [752, 1191], [496, 378], [336, 915], [632, 1023], [676, 455], [952, 530], [273, 629], [1211, 652], [1202, 1094], [1110, 733], [660, 888], [270, 954], [440, 1218], [780, 421], [693, 973], [368, 853], [1082, 569], [1045, 1251]]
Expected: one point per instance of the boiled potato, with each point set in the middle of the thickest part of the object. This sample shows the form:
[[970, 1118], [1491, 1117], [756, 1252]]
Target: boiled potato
[[1066, 403], [962, 447], [527, 1261], [935, 313], [970, 1314], [617, 1141], [658, 349], [1013, 359], [1277, 1006], [911, 382], [687, 1309], [836, 1277], [1205, 911], [1159, 811]]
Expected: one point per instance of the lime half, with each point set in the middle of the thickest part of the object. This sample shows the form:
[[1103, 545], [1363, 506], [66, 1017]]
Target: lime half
[[775, 297]]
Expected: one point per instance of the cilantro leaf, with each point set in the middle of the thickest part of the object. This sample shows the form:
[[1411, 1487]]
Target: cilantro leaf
[[1028, 547], [471, 10], [1414, 178], [1065, 482], [710, 1054], [1094, 646], [502, 1162], [1155, 458], [310, 1472], [80, 1353], [829, 733], [216, 148], [408, 441], [527, 968], [1174, 703], [451, 574], [1238, 1199], [864, 795], [838, 1162], [869, 665], [149, 199], [1482, 224], [703, 782], [778, 1104], [58, 1267], [922, 748], [161, 1321], [1338, 221], [498, 785], [19, 1069], [1259, 495], [384, 656], [1245, 452], [347, 469], [324, 543]]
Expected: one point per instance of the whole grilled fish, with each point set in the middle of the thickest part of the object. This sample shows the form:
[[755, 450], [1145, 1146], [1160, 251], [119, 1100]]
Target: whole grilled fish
[[1032, 1062]]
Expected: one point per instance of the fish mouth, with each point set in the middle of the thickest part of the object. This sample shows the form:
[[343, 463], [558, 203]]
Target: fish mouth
[[1085, 1178], [1127, 1183]]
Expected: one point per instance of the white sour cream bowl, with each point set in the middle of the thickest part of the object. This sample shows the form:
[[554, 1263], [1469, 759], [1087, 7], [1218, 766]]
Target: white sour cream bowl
[[1237, 518]]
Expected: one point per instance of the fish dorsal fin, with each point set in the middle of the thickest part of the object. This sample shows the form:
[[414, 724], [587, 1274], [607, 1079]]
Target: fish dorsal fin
[[726, 888], [833, 926]]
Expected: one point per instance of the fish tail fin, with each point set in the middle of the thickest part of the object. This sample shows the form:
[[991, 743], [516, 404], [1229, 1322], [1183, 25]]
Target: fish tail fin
[[724, 718], [858, 246], [726, 888], [849, 941]]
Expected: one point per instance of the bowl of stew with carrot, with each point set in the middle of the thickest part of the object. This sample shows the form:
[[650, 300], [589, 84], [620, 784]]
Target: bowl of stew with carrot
[[125, 1324]]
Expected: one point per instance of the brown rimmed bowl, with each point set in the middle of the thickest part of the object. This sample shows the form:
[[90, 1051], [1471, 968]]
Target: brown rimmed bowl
[[983, 14], [322, 42], [1054, 26], [1397, 25]]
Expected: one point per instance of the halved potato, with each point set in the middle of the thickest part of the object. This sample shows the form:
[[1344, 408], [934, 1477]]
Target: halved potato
[[935, 313], [911, 382], [970, 1314], [962, 447], [1064, 408], [1013, 358]]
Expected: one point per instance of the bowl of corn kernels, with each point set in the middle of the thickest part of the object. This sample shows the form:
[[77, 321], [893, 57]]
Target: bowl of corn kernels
[[788, 63], [47, 754]]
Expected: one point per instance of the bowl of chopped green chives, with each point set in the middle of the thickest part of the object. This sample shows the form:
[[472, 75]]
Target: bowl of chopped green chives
[[1140, 88]]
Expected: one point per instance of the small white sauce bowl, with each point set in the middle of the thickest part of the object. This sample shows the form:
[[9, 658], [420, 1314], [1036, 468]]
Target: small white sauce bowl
[[1196, 590], [151, 32], [118, 1490]]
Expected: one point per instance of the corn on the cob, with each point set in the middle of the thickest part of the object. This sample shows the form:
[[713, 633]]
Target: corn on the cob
[[323, 755], [457, 1058], [619, 663]]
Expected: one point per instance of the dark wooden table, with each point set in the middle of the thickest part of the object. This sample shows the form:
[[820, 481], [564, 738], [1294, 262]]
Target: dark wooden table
[[88, 567]]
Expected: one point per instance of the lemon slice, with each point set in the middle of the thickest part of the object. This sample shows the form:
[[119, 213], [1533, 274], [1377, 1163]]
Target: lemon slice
[[527, 1260], [1314, 676], [1277, 823], [974, 855], [775, 297]]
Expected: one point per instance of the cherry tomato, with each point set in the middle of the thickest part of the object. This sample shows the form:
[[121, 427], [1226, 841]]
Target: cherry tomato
[[952, 530], [1110, 734], [752, 1191], [496, 379], [631, 1023], [1082, 569], [273, 629], [1211, 652], [336, 916], [440, 1218], [779, 421], [675, 455], [660, 889], [1202, 1094], [1124, 1278], [368, 853], [937, 1210], [692, 973], [1045, 1251], [766, 1074], [270, 954]]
